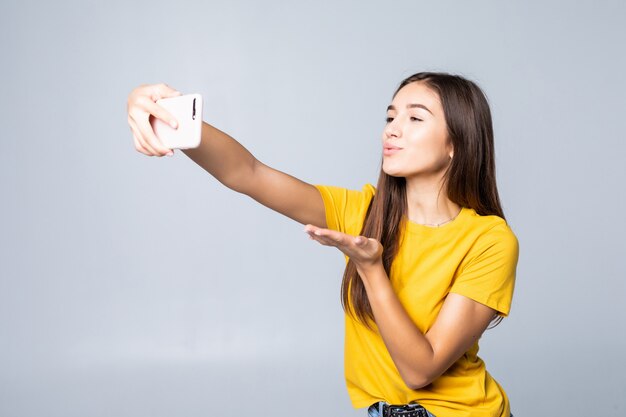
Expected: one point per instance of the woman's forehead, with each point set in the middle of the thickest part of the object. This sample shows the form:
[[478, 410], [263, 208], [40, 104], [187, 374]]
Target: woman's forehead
[[417, 93]]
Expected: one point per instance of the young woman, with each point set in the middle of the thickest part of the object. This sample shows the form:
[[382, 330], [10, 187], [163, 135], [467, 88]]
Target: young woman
[[430, 259]]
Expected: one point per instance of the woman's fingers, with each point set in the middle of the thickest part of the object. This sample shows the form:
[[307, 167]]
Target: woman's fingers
[[160, 113], [343, 241], [328, 237], [141, 139], [326, 241], [146, 134], [142, 106], [360, 249], [162, 90], [316, 235], [145, 128], [139, 147]]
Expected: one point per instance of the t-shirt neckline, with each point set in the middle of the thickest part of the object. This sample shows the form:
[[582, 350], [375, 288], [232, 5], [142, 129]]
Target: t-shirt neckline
[[420, 228]]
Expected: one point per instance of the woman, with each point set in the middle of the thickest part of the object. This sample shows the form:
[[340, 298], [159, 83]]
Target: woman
[[430, 258]]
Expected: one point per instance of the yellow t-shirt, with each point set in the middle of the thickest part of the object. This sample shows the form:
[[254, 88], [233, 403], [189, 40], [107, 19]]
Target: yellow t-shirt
[[475, 256]]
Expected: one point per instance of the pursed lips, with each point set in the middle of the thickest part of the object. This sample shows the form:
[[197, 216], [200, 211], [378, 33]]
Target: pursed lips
[[390, 149]]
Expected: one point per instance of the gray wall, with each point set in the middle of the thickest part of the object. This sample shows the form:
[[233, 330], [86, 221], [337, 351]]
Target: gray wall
[[136, 286]]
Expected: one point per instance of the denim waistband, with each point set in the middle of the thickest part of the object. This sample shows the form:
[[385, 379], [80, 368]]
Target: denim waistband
[[375, 410]]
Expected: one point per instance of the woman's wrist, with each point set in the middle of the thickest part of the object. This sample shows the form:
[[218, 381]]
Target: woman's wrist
[[371, 270]]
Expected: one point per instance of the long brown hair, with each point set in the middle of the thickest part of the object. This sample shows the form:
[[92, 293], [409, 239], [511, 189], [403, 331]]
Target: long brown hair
[[470, 179]]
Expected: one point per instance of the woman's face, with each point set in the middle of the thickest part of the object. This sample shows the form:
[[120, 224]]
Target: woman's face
[[419, 133]]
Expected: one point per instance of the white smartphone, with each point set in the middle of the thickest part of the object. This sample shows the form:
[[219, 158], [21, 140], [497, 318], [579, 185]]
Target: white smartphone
[[187, 110]]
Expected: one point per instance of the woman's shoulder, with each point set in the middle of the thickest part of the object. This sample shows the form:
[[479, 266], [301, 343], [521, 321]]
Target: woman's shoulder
[[487, 221], [491, 229], [369, 188]]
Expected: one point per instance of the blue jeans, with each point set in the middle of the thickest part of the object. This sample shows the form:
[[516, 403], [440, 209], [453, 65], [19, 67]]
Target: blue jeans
[[373, 411]]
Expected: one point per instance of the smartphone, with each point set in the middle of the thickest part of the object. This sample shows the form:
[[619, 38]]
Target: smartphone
[[187, 110]]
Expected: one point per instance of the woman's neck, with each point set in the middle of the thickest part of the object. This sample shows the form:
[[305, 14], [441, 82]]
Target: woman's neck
[[428, 202]]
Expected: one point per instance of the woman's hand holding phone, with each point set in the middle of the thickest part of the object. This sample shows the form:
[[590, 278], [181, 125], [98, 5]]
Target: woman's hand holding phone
[[141, 105]]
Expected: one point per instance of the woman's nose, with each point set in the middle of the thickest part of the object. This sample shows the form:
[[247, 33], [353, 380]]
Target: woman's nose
[[392, 130]]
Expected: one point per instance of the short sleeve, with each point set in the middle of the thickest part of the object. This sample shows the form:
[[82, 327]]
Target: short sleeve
[[489, 276], [346, 209]]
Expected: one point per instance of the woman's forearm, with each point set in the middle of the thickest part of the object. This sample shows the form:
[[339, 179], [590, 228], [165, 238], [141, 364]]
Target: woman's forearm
[[223, 157], [410, 350]]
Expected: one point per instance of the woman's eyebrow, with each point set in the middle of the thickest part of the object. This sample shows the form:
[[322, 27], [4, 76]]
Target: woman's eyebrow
[[411, 106]]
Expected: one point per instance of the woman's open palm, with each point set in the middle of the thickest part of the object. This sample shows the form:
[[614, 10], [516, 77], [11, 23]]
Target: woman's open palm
[[363, 251]]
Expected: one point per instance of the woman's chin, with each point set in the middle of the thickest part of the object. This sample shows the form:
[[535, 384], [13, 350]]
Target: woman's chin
[[392, 173]]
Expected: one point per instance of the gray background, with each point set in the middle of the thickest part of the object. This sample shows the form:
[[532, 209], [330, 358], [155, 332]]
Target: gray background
[[137, 286]]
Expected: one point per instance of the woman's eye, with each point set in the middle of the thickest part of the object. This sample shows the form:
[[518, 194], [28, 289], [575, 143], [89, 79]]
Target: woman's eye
[[390, 119]]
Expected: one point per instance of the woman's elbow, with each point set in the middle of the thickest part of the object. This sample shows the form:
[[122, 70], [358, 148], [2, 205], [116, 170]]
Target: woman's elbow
[[418, 380]]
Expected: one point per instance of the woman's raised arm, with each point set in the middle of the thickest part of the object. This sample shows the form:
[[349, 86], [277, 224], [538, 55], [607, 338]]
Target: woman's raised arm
[[227, 160]]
